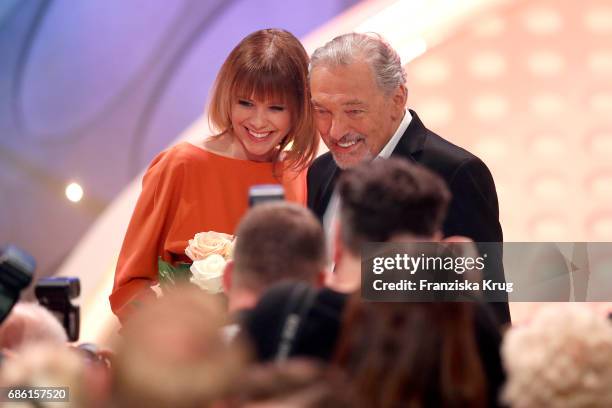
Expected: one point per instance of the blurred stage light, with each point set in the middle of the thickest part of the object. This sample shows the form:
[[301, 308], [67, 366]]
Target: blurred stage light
[[74, 192]]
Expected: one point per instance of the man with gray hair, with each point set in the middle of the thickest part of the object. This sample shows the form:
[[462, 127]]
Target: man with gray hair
[[359, 94]]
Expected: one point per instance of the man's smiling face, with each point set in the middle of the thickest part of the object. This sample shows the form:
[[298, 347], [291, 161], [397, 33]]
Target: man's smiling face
[[353, 115]]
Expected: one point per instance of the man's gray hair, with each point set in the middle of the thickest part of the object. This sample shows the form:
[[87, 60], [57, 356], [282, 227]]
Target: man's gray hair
[[371, 48]]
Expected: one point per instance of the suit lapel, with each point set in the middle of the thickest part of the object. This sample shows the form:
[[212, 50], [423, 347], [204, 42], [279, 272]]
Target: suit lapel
[[327, 189], [412, 141]]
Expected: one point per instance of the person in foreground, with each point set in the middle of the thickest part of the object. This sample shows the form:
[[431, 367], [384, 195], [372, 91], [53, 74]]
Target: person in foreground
[[172, 354], [412, 354], [359, 95], [260, 106], [409, 204], [427, 354], [277, 241], [560, 359], [30, 323]]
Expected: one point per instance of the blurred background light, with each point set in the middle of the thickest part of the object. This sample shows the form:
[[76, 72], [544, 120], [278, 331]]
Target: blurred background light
[[74, 192]]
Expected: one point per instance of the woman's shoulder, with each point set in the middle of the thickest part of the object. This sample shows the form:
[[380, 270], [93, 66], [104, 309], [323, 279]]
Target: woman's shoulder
[[180, 155], [190, 158], [184, 151], [175, 162]]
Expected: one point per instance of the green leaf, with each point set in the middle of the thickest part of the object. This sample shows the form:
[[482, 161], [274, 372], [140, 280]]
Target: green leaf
[[171, 275], [182, 271]]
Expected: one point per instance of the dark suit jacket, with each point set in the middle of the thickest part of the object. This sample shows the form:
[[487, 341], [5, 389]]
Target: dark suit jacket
[[473, 211]]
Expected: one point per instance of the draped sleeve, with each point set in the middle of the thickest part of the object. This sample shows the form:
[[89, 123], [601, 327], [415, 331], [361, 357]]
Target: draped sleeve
[[147, 232]]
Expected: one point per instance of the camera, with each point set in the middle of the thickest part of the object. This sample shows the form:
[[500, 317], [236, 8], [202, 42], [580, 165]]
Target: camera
[[16, 272], [55, 294]]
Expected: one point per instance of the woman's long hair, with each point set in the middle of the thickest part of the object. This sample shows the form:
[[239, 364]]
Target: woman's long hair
[[412, 354]]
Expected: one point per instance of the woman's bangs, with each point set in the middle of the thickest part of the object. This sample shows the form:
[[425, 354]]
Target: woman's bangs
[[265, 86]]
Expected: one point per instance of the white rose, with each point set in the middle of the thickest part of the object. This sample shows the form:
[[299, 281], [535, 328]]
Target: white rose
[[208, 273], [204, 244]]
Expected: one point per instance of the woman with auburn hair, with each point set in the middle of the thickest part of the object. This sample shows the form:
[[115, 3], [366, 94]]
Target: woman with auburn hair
[[260, 109], [412, 354]]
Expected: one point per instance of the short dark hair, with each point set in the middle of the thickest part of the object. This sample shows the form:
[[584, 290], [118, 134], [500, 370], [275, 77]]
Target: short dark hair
[[383, 198], [278, 241]]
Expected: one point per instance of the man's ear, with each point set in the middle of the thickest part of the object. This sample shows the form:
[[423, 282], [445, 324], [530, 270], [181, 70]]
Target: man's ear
[[400, 97], [227, 276]]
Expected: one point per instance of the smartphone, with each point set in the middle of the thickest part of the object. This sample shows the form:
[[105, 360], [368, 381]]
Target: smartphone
[[265, 192]]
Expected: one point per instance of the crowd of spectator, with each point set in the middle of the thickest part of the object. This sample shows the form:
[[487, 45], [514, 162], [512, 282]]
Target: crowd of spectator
[[303, 336]]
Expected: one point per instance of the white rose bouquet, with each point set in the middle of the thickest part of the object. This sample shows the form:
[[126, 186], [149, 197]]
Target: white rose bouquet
[[204, 244], [209, 252]]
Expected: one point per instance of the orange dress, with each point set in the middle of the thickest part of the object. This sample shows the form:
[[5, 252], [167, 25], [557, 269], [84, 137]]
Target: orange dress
[[186, 190]]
